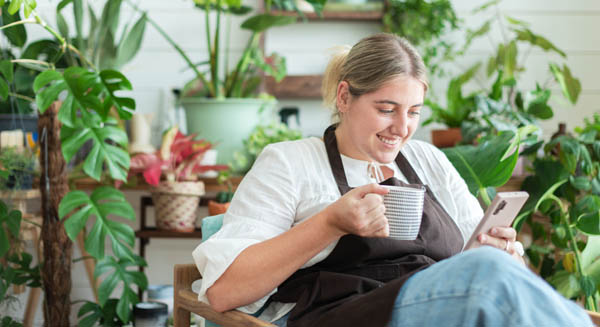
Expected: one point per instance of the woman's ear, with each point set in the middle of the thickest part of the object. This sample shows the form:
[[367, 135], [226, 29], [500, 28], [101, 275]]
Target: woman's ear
[[343, 96]]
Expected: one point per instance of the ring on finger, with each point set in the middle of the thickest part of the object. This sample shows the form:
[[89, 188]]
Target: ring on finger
[[507, 244]]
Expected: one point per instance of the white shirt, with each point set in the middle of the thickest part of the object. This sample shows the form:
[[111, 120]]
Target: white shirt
[[292, 181]]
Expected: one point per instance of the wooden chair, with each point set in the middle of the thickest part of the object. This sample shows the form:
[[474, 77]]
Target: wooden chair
[[186, 301]]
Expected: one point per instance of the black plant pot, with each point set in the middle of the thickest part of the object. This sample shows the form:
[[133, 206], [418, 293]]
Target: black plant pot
[[21, 180]]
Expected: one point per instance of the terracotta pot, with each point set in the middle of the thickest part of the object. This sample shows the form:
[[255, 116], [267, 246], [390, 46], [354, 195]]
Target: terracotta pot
[[445, 138], [176, 205], [216, 208]]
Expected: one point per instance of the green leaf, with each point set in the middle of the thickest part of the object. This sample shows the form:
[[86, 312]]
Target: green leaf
[[581, 183], [10, 222], [536, 40], [78, 15], [63, 4], [538, 103], [569, 153], [115, 157], [16, 35], [113, 81], [94, 314], [485, 6], [103, 201], [107, 51], [63, 26], [565, 283], [262, 22], [118, 273], [109, 20], [93, 31], [510, 61], [6, 69], [588, 286], [570, 86], [515, 21], [130, 46], [521, 134], [45, 98], [591, 252], [3, 90], [481, 166], [589, 223]]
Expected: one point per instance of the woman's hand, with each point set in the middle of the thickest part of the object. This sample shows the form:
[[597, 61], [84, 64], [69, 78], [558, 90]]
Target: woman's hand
[[360, 212], [503, 238]]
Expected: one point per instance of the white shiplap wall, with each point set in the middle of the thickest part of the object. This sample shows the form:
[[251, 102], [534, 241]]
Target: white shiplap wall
[[572, 25]]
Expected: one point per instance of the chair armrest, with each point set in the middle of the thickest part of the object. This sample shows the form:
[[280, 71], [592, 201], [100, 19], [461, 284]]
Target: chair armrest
[[595, 316], [185, 298], [189, 300], [184, 275]]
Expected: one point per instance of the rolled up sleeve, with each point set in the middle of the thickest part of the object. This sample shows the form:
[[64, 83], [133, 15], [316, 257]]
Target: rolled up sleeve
[[264, 206]]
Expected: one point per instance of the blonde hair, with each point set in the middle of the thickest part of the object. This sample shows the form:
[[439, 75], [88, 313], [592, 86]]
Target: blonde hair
[[368, 65]]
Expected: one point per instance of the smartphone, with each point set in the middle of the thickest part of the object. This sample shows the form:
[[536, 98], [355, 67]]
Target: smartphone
[[500, 213]]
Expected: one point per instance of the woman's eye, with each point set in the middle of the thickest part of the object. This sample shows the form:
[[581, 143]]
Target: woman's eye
[[386, 111], [414, 113]]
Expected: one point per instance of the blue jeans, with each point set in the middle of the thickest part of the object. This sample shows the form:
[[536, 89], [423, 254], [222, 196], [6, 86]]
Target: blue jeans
[[481, 287]]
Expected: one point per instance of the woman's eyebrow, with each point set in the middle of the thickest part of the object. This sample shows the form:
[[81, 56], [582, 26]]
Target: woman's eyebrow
[[396, 103]]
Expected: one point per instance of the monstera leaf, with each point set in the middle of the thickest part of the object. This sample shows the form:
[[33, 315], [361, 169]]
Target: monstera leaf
[[120, 274], [92, 128], [10, 222], [85, 90], [103, 201]]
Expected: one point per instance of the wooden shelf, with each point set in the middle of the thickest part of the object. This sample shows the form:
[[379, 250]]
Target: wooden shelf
[[210, 184], [335, 15], [293, 87]]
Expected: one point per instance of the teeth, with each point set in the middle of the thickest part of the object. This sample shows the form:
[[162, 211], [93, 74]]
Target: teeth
[[387, 141]]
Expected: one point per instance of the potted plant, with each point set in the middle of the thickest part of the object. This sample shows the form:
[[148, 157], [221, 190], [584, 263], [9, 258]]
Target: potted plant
[[178, 160], [261, 136], [563, 213], [16, 268], [506, 105], [17, 96], [20, 167], [223, 198], [223, 95], [458, 110]]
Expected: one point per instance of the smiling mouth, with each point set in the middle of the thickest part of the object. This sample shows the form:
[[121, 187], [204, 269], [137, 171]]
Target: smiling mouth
[[389, 141]]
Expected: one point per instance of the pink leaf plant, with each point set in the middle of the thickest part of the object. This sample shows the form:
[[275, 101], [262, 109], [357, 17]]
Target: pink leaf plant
[[178, 159]]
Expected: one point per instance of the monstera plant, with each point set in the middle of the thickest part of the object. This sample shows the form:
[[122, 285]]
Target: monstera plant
[[88, 94]]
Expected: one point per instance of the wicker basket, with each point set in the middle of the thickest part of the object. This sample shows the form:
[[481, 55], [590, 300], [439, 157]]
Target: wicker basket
[[176, 205]]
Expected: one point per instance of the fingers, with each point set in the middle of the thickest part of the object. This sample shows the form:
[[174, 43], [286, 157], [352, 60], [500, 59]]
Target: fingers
[[499, 243], [371, 188], [507, 233], [371, 202]]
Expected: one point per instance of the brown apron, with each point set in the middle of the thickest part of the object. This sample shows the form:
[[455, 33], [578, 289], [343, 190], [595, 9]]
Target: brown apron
[[357, 284]]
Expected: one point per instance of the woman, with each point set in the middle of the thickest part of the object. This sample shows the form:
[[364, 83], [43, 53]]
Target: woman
[[305, 240]]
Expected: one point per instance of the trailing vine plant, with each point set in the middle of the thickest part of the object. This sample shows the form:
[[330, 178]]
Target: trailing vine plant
[[88, 94]]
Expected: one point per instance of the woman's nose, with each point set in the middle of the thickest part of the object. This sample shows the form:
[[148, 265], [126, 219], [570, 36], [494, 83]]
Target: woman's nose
[[400, 126]]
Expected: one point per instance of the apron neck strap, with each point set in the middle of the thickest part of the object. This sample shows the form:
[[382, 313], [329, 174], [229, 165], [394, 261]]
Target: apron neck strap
[[337, 167]]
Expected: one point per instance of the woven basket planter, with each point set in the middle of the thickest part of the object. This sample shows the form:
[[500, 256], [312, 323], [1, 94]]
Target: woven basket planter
[[176, 205]]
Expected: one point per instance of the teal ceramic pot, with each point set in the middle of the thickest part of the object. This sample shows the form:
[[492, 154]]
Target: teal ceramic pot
[[226, 122]]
